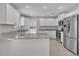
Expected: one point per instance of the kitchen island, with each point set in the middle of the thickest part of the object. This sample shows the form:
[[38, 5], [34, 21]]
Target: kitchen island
[[13, 45]]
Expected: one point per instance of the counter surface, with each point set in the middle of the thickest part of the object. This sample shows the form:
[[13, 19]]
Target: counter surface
[[24, 44]]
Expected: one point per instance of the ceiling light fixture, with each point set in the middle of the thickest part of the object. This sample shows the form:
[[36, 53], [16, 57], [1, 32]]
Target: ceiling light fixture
[[27, 7], [60, 7], [44, 7]]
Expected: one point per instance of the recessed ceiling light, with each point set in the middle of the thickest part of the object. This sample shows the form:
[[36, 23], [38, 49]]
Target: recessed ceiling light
[[44, 7], [60, 7], [27, 6]]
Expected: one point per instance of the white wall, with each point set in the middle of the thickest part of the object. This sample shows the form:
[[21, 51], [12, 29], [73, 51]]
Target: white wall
[[3, 19]]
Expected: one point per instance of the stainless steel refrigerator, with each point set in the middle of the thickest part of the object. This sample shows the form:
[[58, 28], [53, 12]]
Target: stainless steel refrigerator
[[78, 35], [71, 37]]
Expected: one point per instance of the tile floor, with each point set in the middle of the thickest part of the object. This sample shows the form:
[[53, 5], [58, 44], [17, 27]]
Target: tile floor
[[57, 49]]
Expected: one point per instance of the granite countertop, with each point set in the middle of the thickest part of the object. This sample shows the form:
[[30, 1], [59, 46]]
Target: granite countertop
[[24, 35], [8, 24]]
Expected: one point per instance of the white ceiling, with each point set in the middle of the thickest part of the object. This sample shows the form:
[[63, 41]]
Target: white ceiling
[[44, 9]]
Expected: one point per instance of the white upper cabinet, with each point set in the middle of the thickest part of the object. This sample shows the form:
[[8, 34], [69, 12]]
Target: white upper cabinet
[[3, 12], [12, 15]]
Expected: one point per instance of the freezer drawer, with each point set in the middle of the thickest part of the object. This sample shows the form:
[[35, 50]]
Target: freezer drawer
[[66, 42], [78, 46], [71, 44]]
